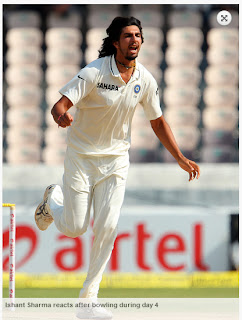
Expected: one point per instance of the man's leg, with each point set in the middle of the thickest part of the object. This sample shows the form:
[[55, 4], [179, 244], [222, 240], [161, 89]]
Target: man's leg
[[70, 210], [107, 200]]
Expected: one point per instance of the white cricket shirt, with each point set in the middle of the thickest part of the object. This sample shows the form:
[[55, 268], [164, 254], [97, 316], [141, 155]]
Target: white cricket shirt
[[105, 106]]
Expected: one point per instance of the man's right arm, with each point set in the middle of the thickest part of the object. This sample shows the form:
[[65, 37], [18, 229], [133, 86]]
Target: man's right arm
[[60, 114], [74, 91]]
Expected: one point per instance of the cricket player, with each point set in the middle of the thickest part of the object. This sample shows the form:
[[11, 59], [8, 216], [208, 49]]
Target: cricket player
[[105, 93]]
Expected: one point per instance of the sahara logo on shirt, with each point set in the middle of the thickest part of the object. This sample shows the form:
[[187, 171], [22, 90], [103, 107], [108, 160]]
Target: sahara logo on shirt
[[107, 86]]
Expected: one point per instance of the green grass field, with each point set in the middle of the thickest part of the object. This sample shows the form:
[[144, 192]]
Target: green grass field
[[130, 293]]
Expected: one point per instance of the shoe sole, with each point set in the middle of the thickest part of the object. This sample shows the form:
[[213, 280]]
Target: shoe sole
[[35, 215]]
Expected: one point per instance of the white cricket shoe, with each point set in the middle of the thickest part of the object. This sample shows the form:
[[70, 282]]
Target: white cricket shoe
[[43, 216], [94, 313]]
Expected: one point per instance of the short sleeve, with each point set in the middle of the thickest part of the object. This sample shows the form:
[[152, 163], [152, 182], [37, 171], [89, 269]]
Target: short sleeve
[[81, 85], [151, 99]]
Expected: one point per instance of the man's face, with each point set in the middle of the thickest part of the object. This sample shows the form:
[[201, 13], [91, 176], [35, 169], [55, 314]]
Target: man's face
[[129, 43]]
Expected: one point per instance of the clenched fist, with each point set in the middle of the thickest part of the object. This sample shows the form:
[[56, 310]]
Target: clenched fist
[[65, 120]]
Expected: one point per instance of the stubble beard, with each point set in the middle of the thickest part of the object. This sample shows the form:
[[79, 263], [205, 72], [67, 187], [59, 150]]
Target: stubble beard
[[131, 58], [127, 57]]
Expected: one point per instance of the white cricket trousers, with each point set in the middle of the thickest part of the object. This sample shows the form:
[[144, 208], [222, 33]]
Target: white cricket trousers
[[97, 181]]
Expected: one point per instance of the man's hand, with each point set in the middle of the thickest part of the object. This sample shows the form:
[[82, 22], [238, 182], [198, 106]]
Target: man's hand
[[191, 167], [60, 114], [65, 120]]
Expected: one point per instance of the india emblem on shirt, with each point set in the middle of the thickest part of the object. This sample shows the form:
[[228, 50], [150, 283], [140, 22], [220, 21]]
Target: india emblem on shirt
[[137, 88]]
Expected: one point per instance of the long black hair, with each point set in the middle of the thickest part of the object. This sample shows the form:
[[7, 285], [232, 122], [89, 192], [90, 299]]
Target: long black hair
[[114, 31]]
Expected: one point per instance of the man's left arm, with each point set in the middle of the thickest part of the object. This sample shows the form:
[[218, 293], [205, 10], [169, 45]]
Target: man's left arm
[[166, 137]]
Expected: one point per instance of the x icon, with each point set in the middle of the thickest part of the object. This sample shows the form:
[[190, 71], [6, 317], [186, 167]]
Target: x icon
[[224, 18]]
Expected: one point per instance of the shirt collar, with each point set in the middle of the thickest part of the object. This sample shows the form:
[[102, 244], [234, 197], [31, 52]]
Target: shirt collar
[[115, 72]]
